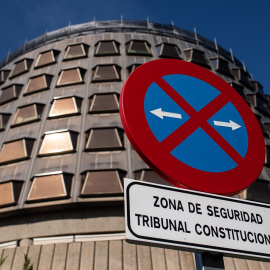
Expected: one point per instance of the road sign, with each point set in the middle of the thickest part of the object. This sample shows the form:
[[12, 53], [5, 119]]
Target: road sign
[[191, 127], [195, 221]]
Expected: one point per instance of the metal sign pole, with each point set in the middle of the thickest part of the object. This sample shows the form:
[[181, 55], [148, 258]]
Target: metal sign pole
[[209, 261]]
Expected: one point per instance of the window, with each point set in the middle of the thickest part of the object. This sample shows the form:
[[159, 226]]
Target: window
[[239, 88], [139, 47], [71, 76], [105, 139], [10, 93], [10, 192], [3, 75], [4, 117], [50, 186], [166, 50], [104, 103], [107, 47], [150, 176], [258, 102], [21, 67], [65, 106], [259, 118], [221, 66], [257, 87], [76, 51], [58, 142], [259, 191], [28, 114], [133, 67], [102, 183], [197, 57], [38, 83], [106, 73], [47, 58], [267, 156], [241, 76], [16, 150]]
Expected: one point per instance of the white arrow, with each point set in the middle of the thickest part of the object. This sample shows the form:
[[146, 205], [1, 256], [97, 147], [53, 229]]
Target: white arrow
[[230, 124], [159, 113]]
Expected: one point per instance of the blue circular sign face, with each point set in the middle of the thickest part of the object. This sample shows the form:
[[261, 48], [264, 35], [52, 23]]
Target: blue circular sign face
[[164, 116], [192, 127]]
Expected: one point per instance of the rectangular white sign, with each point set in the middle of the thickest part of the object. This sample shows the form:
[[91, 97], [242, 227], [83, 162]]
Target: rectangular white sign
[[180, 218]]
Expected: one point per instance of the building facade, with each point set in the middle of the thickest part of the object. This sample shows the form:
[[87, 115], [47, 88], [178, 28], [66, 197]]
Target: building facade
[[64, 153]]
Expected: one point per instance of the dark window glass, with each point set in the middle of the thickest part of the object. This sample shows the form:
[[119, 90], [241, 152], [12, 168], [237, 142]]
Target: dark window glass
[[104, 103], [28, 114], [71, 76], [10, 93], [257, 87], [4, 75], [197, 57], [39, 83], [150, 176], [4, 117], [65, 106], [168, 51], [241, 76], [258, 102], [58, 142], [76, 51], [105, 139], [47, 58], [102, 183], [267, 128], [51, 186], [16, 150], [221, 66], [239, 88], [259, 191], [106, 73], [10, 192], [21, 67], [139, 47], [132, 68], [108, 47]]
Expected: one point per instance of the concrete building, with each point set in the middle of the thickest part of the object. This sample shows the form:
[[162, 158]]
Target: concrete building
[[63, 151]]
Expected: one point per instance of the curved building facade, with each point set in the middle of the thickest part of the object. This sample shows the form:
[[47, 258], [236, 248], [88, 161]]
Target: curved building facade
[[64, 154]]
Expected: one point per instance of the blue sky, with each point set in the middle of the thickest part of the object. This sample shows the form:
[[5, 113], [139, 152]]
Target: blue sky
[[237, 24]]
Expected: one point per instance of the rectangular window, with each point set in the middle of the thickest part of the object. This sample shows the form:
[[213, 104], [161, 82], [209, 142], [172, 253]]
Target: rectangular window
[[259, 191], [105, 139], [166, 50], [51, 186], [10, 192], [10, 93], [98, 183], [58, 142], [241, 76], [71, 77], [139, 47], [47, 58], [221, 66], [132, 68], [28, 114], [21, 67], [38, 83], [16, 150], [104, 103], [150, 176], [4, 75], [65, 106], [76, 51], [106, 73], [197, 57], [107, 47]]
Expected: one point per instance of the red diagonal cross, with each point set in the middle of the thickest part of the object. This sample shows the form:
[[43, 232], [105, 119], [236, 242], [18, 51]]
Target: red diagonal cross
[[197, 119]]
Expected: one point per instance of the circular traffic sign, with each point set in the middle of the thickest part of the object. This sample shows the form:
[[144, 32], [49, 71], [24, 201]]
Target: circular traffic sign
[[191, 127]]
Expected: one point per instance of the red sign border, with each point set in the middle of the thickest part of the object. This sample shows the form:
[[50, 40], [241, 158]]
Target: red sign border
[[179, 174]]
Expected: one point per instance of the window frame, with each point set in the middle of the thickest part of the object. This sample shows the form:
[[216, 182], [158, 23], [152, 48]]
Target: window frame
[[147, 46], [131, 67], [81, 73], [76, 100], [54, 54], [27, 64], [94, 97], [191, 50], [84, 47], [117, 130], [41, 105], [217, 68], [4, 120], [47, 84], [16, 88], [168, 44], [4, 75], [117, 70], [116, 46]]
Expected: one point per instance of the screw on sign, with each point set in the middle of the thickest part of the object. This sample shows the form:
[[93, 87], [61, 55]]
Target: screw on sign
[[191, 127]]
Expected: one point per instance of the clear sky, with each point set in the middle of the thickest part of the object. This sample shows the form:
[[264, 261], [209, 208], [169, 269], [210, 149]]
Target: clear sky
[[242, 25]]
